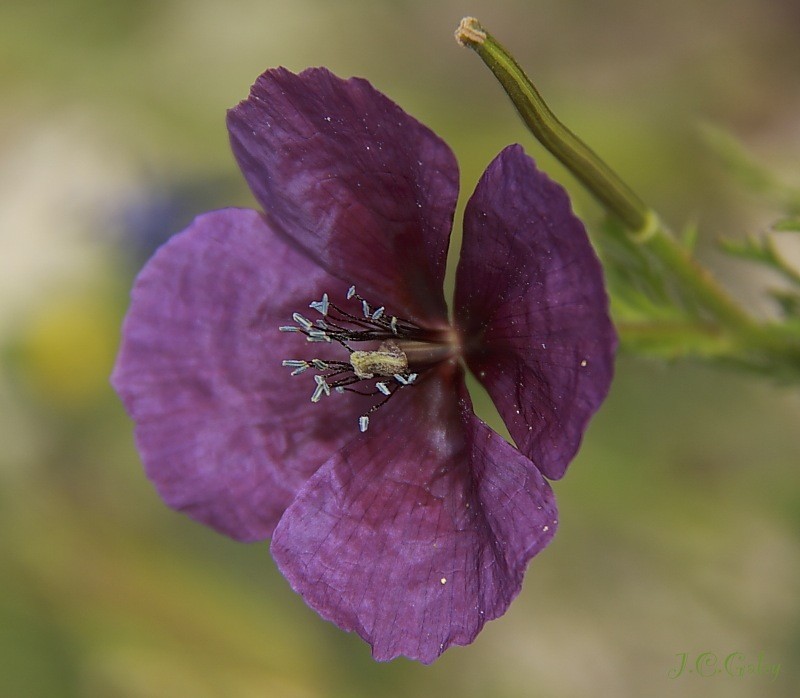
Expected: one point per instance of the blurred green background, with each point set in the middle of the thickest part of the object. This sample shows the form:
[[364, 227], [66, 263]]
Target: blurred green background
[[680, 519]]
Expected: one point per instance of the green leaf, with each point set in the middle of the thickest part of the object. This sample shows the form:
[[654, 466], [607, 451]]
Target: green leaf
[[789, 302], [787, 225], [751, 174], [762, 249]]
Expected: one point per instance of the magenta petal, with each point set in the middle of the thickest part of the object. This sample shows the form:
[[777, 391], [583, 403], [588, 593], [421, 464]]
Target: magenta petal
[[366, 189], [418, 533], [532, 308], [225, 434]]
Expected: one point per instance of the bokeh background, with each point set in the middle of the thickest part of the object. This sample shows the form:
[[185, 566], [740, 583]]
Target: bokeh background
[[680, 518]]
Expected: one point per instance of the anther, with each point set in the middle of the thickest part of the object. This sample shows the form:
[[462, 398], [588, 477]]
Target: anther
[[378, 313], [297, 365], [320, 306], [351, 292], [319, 364], [289, 328], [322, 387], [322, 383], [393, 325], [405, 380], [365, 308], [363, 423], [293, 363], [300, 320], [317, 392], [382, 387], [317, 336]]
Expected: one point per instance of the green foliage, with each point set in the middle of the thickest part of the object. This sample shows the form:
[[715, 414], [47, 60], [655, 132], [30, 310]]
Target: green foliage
[[654, 315], [751, 175], [763, 248], [667, 304]]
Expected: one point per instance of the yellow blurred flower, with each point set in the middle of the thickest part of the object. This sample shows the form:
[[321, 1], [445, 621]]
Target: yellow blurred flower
[[68, 344]]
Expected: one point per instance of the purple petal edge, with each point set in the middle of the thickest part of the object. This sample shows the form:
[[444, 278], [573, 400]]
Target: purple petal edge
[[415, 539], [531, 305], [225, 434], [365, 189]]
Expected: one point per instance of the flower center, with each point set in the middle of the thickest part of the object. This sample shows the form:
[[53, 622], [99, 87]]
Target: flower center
[[401, 351]]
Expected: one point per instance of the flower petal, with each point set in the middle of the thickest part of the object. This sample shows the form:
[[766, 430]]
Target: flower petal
[[532, 308], [224, 432], [418, 533], [364, 188]]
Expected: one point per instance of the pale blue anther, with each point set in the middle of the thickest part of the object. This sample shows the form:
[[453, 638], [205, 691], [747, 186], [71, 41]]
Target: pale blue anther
[[300, 320], [320, 306], [298, 366], [405, 380]]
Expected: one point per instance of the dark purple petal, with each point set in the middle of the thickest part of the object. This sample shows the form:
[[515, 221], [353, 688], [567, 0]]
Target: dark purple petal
[[366, 189], [417, 533], [532, 309], [225, 434]]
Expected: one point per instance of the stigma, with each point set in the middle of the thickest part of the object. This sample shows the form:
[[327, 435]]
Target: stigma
[[400, 351], [388, 360]]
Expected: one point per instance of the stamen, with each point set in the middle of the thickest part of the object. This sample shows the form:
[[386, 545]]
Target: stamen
[[297, 365], [387, 363], [405, 380], [300, 320], [317, 392], [320, 306], [322, 388], [321, 382]]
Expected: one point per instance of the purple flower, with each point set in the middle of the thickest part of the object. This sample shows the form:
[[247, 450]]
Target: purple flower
[[349, 437]]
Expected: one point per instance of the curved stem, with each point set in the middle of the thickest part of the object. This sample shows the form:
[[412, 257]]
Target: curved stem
[[700, 283], [606, 185], [581, 160]]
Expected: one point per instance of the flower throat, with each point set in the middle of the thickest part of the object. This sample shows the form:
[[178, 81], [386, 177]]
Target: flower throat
[[403, 352]]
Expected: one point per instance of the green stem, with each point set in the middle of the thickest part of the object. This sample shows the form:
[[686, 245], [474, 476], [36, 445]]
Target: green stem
[[700, 284], [606, 185], [601, 181], [675, 339]]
